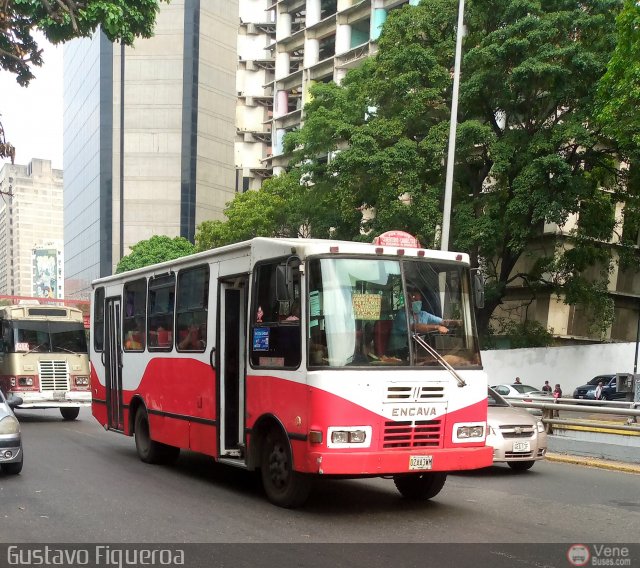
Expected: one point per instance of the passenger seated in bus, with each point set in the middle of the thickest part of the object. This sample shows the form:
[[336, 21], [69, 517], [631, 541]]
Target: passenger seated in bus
[[191, 339], [160, 336]]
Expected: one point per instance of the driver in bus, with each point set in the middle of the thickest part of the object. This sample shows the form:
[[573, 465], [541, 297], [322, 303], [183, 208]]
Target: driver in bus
[[420, 321]]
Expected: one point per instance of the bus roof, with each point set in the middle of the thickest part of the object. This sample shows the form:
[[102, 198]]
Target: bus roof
[[261, 248], [38, 311]]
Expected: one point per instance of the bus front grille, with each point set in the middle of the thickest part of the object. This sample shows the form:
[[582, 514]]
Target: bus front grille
[[54, 376], [418, 434]]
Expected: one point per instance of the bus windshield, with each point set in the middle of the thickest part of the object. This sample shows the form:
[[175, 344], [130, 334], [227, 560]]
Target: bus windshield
[[44, 337], [367, 312]]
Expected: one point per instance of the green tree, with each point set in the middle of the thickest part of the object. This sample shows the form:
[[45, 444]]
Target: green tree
[[60, 21], [617, 112], [619, 88], [156, 249], [283, 207], [528, 149]]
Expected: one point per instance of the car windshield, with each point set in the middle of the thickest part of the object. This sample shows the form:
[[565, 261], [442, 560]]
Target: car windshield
[[494, 399], [358, 310], [596, 380], [522, 389]]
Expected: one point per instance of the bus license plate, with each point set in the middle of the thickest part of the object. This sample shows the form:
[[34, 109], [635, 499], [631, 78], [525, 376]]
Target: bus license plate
[[420, 462], [522, 446]]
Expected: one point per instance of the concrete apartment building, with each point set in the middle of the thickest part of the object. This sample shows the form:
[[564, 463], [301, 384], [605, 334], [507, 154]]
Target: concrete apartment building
[[31, 230], [284, 47], [148, 135]]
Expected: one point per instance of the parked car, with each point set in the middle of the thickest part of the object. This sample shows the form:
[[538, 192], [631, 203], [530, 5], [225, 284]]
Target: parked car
[[518, 438], [518, 391], [609, 389], [11, 454]]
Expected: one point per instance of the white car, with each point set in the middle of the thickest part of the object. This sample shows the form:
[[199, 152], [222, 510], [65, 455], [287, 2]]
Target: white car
[[518, 438], [11, 454], [518, 391]]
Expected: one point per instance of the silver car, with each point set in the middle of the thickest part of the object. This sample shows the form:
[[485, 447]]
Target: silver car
[[11, 454], [518, 438]]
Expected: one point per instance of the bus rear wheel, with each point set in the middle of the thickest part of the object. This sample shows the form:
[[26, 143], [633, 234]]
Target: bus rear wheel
[[284, 486], [70, 412], [420, 486], [149, 450]]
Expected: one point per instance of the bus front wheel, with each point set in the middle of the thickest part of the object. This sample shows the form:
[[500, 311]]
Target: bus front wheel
[[70, 412], [284, 486], [420, 486], [149, 450]]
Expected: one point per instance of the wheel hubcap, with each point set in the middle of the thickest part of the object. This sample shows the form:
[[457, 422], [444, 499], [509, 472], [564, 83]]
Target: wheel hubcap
[[279, 466]]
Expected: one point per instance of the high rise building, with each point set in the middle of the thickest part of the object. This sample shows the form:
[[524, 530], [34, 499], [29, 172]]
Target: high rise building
[[284, 47], [30, 221], [148, 135]]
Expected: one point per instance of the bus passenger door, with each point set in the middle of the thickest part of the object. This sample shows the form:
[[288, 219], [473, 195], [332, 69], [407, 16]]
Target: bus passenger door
[[113, 364], [232, 349]]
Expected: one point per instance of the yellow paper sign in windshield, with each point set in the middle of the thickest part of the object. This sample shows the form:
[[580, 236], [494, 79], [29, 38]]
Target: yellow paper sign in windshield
[[367, 306]]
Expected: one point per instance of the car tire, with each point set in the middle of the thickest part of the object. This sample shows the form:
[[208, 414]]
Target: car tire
[[420, 486], [521, 466], [12, 468]]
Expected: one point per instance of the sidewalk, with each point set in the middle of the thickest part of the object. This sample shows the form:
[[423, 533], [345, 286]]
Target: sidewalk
[[594, 462], [597, 445]]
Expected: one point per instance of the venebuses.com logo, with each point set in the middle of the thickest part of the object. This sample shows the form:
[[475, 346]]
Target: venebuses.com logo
[[598, 555]]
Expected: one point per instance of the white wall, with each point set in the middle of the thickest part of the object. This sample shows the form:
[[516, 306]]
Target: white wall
[[570, 366]]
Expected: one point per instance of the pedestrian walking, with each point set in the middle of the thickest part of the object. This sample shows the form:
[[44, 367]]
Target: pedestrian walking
[[557, 395]]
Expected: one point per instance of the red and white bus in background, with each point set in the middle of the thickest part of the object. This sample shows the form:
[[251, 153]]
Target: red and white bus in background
[[294, 357], [44, 358]]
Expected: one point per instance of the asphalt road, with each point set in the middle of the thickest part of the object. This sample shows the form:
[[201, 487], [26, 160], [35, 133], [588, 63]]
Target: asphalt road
[[81, 484]]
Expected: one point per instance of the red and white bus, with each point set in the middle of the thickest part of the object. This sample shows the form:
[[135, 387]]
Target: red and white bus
[[294, 357]]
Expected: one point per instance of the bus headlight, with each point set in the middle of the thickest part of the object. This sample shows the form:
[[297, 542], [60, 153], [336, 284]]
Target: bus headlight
[[82, 381], [9, 425], [470, 432], [25, 381], [352, 436]]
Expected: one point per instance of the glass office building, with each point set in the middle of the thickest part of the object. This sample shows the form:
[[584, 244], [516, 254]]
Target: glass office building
[[148, 136]]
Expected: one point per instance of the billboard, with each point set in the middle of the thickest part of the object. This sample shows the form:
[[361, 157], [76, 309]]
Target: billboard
[[47, 273]]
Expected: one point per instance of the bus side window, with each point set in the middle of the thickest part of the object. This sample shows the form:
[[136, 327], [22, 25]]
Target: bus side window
[[98, 320], [160, 314], [275, 319], [191, 309], [135, 295]]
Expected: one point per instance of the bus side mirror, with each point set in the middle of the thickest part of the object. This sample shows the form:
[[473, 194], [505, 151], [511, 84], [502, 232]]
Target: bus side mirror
[[478, 288]]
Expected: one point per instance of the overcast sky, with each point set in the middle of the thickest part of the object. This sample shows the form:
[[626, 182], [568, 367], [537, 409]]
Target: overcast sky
[[32, 116]]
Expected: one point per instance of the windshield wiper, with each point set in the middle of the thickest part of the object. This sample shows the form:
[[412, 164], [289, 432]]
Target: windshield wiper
[[35, 348], [59, 347], [438, 358]]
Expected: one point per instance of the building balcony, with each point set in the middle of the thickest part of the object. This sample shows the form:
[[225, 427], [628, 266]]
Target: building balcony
[[354, 57]]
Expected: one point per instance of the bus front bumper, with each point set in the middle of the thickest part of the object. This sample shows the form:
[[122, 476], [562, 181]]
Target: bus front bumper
[[397, 462], [54, 399]]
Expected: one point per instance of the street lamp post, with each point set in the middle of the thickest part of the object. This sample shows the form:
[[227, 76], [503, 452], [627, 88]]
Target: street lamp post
[[448, 186]]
